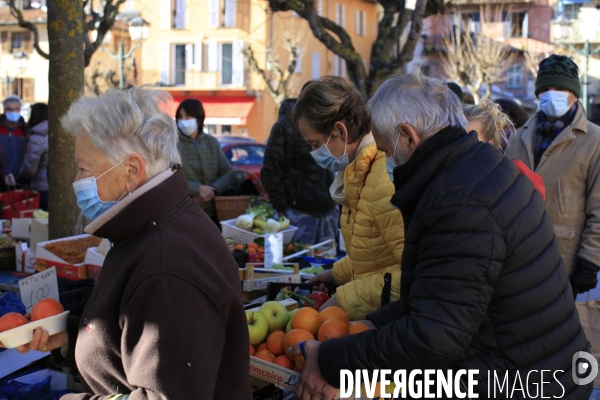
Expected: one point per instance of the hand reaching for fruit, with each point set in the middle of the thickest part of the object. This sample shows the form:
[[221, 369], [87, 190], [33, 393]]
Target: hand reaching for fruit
[[311, 384], [43, 342], [322, 279]]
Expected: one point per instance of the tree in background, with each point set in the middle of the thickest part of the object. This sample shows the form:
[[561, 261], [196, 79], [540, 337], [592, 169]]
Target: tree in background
[[384, 62], [70, 24], [474, 60], [277, 77]]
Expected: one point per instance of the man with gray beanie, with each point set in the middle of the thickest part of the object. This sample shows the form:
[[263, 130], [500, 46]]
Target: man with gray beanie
[[560, 144]]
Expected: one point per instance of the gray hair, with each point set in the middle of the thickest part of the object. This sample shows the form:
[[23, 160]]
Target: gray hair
[[13, 98], [124, 122], [426, 104]]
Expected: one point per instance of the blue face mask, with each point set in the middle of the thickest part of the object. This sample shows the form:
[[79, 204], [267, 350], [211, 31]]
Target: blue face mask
[[86, 191], [13, 116], [187, 126], [554, 103], [324, 159]]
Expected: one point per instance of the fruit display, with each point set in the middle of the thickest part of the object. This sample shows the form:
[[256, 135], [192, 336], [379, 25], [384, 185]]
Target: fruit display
[[294, 248], [300, 325], [73, 251], [256, 252], [5, 242], [259, 219]]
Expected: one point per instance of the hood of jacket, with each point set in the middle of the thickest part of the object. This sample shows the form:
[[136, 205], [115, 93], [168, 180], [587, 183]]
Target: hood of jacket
[[40, 129], [287, 108]]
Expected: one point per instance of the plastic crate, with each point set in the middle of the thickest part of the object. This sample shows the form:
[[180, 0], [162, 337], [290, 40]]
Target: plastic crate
[[75, 300], [244, 237]]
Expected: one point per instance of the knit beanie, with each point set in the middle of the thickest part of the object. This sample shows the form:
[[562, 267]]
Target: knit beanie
[[456, 89], [558, 71]]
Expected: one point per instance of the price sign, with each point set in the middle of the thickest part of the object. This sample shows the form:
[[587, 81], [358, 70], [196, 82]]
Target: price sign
[[37, 287], [273, 249]]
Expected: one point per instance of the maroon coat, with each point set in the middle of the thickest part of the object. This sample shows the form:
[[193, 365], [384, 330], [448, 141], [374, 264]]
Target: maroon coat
[[166, 319]]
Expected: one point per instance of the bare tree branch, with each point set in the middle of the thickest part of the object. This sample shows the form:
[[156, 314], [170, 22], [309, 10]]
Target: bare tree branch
[[101, 24], [278, 84], [18, 14], [473, 60]]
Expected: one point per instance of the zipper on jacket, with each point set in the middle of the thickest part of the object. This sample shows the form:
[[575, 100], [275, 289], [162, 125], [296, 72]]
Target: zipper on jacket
[[348, 220]]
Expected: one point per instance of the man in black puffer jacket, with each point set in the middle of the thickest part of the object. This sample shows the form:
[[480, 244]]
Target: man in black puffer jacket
[[483, 283]]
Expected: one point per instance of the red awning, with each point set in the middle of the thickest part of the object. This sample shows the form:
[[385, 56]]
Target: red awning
[[220, 110]]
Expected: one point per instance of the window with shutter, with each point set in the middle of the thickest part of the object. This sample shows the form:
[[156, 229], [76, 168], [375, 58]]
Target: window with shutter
[[180, 14], [357, 22], [363, 18], [165, 63], [27, 94], [316, 65], [17, 41], [5, 42], [27, 42], [242, 20], [166, 13], [198, 56], [212, 56], [237, 61], [337, 13], [343, 15], [343, 68], [229, 14], [214, 13], [320, 7]]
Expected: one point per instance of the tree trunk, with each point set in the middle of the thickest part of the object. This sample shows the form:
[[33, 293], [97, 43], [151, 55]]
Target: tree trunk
[[65, 35]]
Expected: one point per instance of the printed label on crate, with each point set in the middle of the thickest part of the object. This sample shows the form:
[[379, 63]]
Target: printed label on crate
[[67, 271], [273, 373], [261, 284], [273, 249], [37, 287]]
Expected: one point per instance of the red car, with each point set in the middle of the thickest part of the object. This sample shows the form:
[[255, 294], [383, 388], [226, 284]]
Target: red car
[[244, 154]]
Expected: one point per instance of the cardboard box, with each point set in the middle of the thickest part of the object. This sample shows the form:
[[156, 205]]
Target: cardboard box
[[39, 233], [253, 278], [94, 259], [24, 228], [273, 373], [11, 360], [45, 260], [20, 228]]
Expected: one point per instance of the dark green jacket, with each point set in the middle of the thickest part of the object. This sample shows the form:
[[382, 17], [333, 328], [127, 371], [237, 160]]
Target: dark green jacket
[[203, 163]]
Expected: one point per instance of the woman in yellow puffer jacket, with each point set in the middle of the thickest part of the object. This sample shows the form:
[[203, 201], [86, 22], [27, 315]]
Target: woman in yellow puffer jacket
[[332, 117]]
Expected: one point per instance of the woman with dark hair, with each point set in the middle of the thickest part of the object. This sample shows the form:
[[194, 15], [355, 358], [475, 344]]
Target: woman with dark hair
[[204, 164], [332, 116], [35, 165]]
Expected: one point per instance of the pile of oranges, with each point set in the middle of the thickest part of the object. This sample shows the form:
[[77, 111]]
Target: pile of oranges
[[306, 324]]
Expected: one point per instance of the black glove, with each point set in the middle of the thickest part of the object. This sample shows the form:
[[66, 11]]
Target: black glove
[[585, 277]]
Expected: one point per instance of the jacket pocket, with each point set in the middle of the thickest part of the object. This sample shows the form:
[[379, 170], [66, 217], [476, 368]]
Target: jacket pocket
[[564, 232]]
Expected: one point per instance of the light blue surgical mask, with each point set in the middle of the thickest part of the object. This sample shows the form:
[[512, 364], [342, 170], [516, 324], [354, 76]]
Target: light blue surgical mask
[[554, 103], [188, 126], [13, 116], [86, 191], [324, 159], [390, 164]]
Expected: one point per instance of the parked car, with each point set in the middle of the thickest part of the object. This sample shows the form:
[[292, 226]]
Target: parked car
[[245, 155]]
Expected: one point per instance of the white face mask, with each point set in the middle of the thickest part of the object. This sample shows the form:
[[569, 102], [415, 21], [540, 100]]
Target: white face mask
[[187, 126]]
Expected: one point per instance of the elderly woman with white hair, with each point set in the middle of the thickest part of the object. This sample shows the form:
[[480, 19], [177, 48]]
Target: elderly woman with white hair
[[165, 319]]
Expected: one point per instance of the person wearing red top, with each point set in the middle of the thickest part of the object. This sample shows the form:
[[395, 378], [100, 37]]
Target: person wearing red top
[[12, 137]]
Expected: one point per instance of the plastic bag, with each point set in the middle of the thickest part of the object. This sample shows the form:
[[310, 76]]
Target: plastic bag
[[15, 390], [9, 302]]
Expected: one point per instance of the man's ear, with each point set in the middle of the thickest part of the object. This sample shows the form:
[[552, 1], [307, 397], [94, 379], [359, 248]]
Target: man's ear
[[136, 172], [409, 136]]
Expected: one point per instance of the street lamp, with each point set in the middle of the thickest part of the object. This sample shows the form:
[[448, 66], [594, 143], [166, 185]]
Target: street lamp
[[138, 31], [561, 29], [21, 61]]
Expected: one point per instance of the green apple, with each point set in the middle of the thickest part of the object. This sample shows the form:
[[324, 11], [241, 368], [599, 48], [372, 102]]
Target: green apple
[[275, 313], [292, 313], [257, 327], [288, 327]]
